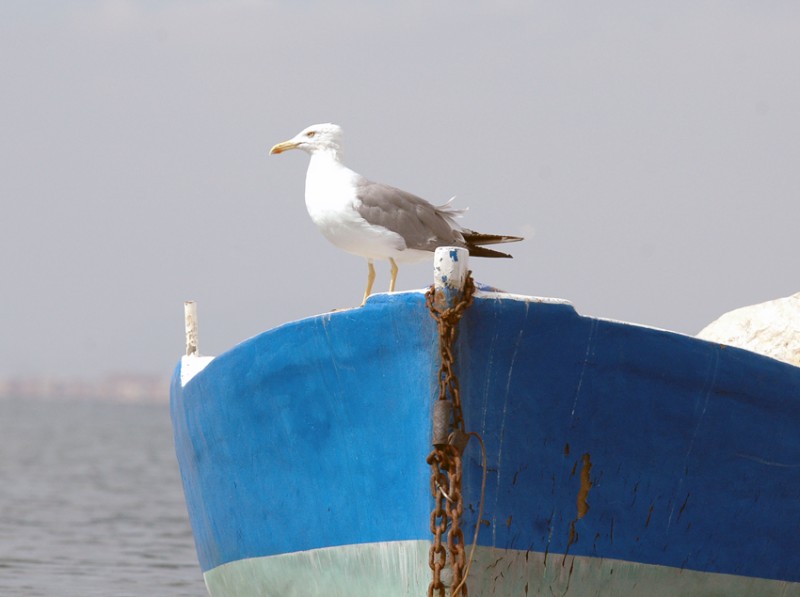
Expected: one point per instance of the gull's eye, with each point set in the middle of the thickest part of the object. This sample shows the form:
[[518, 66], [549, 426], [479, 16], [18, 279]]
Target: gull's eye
[[310, 134]]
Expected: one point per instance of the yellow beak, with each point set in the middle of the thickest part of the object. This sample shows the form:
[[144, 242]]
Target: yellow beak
[[281, 147]]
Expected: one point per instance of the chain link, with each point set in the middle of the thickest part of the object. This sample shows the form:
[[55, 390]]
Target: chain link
[[437, 558], [445, 459]]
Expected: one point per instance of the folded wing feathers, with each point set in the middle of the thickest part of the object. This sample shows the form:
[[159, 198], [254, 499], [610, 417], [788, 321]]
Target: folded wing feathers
[[422, 225]]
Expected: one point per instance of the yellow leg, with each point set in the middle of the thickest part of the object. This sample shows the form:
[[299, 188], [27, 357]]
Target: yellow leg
[[394, 274], [370, 281]]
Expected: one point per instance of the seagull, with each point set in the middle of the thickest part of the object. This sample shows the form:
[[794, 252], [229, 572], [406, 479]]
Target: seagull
[[374, 220]]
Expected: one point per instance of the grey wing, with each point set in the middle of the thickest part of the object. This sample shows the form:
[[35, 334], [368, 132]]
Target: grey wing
[[423, 226]]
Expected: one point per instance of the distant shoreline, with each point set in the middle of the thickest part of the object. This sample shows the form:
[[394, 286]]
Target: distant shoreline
[[122, 387]]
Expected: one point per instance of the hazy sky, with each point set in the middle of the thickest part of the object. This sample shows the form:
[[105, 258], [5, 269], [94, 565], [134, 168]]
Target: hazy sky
[[648, 151]]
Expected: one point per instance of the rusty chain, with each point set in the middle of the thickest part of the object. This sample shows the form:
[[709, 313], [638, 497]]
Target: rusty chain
[[445, 458]]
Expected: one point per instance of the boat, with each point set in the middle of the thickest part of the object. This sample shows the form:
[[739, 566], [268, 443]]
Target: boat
[[598, 457]]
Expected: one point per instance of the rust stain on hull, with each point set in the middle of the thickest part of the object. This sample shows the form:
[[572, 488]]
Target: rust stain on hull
[[582, 500], [586, 485]]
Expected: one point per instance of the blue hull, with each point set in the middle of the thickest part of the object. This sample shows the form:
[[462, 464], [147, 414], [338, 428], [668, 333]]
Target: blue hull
[[608, 445]]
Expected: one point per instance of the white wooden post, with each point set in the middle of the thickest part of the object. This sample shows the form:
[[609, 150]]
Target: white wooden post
[[190, 320], [192, 363], [450, 269]]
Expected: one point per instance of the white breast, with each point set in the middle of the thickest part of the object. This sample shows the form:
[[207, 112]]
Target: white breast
[[331, 202]]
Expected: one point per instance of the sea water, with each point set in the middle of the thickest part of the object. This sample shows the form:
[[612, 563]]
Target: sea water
[[91, 502]]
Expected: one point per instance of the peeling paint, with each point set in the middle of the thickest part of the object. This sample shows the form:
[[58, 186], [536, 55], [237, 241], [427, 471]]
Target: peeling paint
[[683, 506], [649, 516]]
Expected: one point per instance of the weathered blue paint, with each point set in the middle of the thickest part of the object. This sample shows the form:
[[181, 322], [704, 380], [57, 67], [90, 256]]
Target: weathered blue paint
[[694, 447], [315, 435], [310, 435]]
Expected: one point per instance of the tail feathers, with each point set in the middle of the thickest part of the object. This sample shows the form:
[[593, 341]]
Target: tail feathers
[[477, 238], [476, 251]]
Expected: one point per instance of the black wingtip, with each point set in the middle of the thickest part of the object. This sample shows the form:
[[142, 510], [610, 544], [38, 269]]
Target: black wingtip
[[477, 238], [476, 251]]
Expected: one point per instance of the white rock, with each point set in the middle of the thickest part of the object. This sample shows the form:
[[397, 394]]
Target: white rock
[[771, 329]]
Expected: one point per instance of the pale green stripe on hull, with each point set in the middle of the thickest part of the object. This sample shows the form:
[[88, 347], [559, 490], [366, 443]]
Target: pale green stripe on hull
[[401, 569], [362, 570]]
